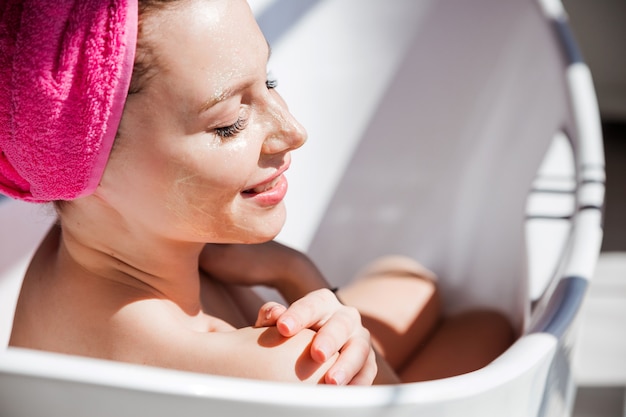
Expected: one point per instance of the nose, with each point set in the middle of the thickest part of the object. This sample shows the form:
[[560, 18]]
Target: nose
[[285, 133]]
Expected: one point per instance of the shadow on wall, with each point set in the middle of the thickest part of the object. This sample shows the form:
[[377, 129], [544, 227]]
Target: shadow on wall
[[600, 32], [615, 200]]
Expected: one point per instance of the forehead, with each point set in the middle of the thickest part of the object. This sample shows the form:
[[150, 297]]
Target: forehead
[[206, 41]]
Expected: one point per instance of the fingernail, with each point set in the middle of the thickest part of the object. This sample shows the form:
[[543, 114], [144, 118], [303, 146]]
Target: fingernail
[[289, 324], [323, 351], [339, 377], [269, 311]]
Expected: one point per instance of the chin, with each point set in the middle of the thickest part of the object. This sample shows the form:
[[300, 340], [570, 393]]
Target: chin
[[264, 229], [260, 236]]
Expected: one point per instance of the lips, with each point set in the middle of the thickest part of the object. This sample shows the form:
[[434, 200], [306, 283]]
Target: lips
[[263, 187], [271, 191], [270, 182]]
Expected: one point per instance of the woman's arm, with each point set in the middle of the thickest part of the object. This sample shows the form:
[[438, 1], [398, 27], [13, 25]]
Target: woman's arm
[[270, 264], [257, 353]]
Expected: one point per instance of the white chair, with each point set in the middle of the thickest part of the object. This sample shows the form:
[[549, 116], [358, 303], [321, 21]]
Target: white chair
[[464, 134]]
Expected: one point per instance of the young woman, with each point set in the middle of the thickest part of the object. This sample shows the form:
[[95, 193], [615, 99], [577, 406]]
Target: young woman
[[152, 261]]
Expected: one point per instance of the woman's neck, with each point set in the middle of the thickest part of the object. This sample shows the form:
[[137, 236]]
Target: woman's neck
[[98, 241]]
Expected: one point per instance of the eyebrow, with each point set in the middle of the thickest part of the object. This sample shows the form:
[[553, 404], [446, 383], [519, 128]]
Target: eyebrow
[[229, 92]]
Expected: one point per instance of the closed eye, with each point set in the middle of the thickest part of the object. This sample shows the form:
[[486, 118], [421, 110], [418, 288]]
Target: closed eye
[[232, 130], [241, 123]]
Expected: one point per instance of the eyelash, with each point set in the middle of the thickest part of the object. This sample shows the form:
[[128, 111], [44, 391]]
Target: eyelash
[[241, 123], [271, 83], [232, 130]]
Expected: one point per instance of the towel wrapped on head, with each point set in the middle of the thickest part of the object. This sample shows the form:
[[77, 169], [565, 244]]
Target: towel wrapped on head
[[65, 69]]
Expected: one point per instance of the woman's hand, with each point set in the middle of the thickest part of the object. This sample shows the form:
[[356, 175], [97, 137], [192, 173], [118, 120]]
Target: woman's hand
[[338, 328]]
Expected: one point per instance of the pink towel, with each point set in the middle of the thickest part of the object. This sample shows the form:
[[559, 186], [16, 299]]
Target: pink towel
[[65, 68]]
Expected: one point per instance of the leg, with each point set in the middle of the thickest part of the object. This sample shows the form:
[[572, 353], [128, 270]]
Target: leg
[[399, 303], [462, 343]]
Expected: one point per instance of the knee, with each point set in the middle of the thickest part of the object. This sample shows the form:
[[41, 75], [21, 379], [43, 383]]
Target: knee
[[493, 329]]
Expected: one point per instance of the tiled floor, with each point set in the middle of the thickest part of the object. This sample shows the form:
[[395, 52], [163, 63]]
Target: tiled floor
[[600, 360]]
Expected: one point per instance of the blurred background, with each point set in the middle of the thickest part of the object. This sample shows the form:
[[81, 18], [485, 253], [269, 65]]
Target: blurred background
[[600, 359]]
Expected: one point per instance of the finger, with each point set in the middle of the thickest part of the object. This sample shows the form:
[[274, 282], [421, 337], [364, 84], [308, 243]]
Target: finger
[[335, 333], [355, 359], [269, 314], [309, 312], [368, 373]]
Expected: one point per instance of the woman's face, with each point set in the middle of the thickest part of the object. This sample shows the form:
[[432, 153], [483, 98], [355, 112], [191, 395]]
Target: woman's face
[[203, 146]]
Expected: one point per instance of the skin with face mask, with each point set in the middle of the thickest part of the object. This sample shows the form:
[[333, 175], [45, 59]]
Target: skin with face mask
[[156, 266]]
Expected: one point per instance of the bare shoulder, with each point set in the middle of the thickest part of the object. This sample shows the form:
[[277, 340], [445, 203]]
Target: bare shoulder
[[88, 318], [146, 332]]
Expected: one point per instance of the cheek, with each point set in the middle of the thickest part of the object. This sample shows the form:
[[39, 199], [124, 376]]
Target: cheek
[[215, 173], [231, 164]]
